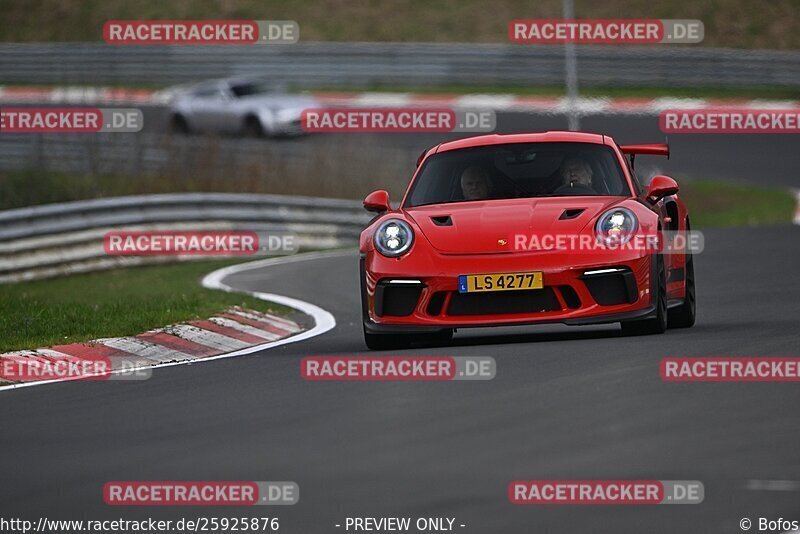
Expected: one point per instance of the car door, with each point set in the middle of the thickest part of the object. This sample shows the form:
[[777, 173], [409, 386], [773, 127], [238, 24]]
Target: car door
[[225, 113], [208, 107]]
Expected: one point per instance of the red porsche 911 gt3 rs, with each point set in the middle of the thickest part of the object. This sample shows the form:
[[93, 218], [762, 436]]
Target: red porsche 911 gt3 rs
[[502, 230]]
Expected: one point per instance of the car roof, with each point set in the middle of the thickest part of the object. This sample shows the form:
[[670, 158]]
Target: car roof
[[540, 137]]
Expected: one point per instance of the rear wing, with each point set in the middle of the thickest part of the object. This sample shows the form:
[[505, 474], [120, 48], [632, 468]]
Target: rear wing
[[652, 149]]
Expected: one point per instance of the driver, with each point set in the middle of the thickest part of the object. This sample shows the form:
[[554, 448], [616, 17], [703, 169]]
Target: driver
[[475, 183], [576, 171]]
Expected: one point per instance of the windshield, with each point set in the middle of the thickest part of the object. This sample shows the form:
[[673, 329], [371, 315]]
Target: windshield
[[520, 170]]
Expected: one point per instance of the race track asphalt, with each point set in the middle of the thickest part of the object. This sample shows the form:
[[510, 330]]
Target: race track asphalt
[[567, 403]]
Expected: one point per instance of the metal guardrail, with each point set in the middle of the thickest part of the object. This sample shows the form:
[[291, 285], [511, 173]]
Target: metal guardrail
[[57, 239], [315, 64], [318, 166], [143, 153], [112, 164]]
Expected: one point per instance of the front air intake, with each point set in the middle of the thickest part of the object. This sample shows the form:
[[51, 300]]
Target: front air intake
[[503, 302], [396, 300], [610, 287]]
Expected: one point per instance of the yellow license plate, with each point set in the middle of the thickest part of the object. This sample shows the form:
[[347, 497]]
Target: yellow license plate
[[471, 283]]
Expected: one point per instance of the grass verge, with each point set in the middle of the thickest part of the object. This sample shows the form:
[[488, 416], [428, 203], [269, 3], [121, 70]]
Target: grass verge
[[112, 303], [728, 23], [713, 203]]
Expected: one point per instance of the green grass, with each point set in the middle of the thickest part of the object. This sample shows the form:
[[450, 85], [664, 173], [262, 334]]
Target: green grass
[[112, 303], [728, 23], [28, 187], [713, 203]]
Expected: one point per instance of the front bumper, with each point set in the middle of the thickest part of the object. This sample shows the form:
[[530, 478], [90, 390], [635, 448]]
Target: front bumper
[[288, 127], [419, 292]]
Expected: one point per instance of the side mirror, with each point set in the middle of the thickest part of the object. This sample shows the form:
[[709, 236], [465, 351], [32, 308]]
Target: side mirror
[[377, 201], [661, 186]]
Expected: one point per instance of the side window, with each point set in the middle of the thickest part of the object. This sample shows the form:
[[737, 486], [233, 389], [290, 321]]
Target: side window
[[215, 91], [207, 92]]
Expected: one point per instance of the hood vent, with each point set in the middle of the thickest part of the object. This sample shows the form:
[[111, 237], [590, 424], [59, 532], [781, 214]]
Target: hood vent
[[571, 213]]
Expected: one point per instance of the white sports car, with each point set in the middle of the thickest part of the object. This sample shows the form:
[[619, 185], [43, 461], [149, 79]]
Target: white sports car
[[244, 106]]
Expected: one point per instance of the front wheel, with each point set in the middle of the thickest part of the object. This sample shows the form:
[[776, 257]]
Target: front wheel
[[658, 324], [253, 128], [684, 315], [178, 125]]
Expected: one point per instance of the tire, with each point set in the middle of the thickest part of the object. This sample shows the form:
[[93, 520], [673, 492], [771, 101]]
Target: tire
[[404, 341], [179, 125], [684, 315], [658, 324], [253, 127]]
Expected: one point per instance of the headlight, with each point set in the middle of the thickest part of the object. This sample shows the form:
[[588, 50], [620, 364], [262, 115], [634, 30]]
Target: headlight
[[616, 226], [393, 238]]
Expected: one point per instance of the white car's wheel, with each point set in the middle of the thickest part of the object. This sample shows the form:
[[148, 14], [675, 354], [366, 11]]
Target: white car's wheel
[[253, 127]]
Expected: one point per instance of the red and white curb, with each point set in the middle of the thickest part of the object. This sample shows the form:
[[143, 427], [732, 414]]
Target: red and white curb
[[496, 102], [545, 104], [81, 95], [236, 332]]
